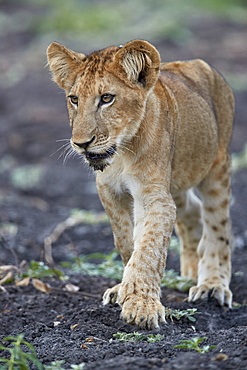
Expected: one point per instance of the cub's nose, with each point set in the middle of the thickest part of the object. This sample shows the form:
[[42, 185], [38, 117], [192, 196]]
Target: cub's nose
[[84, 145]]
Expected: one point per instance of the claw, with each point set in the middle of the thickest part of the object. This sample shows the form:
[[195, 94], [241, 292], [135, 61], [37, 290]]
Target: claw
[[203, 292], [110, 295], [145, 314]]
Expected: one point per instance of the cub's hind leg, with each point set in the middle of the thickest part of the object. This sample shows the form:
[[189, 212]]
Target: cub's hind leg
[[189, 230], [214, 250]]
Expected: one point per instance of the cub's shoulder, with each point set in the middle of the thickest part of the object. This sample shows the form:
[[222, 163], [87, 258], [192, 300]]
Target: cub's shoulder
[[193, 67], [194, 74]]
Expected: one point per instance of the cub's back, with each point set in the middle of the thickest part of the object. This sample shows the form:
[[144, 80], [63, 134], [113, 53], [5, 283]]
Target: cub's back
[[205, 105], [196, 77]]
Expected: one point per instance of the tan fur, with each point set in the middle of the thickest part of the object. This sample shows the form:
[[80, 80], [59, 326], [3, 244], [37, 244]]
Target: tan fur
[[153, 132]]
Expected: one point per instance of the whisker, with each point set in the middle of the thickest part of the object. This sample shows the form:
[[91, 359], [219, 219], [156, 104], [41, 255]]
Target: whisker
[[62, 140], [125, 135], [121, 147], [61, 147], [64, 152], [125, 147], [67, 151], [66, 157], [70, 154]]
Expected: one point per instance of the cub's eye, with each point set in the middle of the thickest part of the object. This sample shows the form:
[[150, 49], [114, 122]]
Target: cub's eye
[[106, 99], [73, 99]]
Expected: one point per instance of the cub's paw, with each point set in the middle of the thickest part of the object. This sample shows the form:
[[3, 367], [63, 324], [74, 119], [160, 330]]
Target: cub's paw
[[145, 313], [205, 291], [111, 294]]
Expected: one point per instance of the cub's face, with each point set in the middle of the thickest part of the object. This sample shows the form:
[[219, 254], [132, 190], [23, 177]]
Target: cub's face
[[104, 115], [106, 96]]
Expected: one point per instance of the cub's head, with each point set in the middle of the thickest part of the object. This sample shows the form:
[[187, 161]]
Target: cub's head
[[106, 95]]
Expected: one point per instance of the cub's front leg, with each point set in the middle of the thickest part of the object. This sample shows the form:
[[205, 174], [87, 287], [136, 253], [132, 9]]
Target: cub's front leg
[[139, 293], [143, 249], [119, 210]]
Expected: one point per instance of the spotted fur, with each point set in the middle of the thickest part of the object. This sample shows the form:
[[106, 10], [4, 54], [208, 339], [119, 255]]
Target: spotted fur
[[153, 132]]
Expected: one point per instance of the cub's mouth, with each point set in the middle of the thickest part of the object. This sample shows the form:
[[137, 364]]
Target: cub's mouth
[[99, 160]]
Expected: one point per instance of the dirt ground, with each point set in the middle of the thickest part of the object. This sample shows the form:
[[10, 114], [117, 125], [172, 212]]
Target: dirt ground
[[33, 116]]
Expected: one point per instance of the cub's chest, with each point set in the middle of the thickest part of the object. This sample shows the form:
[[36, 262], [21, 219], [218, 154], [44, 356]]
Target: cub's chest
[[120, 182]]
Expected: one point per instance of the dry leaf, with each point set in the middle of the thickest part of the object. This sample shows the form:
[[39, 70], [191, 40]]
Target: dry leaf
[[235, 304], [2, 289], [71, 288], [74, 326], [220, 357], [38, 284], [6, 277], [5, 268], [84, 346], [4, 311], [60, 317], [23, 282], [23, 264], [90, 339]]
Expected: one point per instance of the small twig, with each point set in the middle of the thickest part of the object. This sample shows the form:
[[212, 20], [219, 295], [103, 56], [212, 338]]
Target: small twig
[[71, 246], [55, 235], [60, 290], [91, 295], [86, 217]]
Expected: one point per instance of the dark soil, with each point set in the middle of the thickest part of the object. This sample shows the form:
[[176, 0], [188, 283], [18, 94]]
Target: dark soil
[[33, 116]]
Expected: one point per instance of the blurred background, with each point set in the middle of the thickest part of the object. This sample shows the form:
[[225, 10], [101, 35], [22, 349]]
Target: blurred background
[[37, 191]]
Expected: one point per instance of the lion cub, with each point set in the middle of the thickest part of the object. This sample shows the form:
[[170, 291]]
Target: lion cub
[[152, 131]]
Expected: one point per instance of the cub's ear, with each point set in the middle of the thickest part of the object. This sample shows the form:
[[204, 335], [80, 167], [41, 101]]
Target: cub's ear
[[138, 62], [63, 64]]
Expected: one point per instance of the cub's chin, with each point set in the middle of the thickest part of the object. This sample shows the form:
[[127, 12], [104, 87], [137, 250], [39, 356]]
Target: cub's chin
[[99, 161], [97, 165]]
